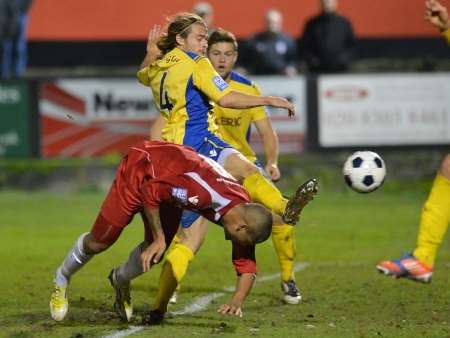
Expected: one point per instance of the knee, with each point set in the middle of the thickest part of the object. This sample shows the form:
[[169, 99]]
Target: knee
[[92, 246], [250, 169], [192, 240], [445, 167], [238, 166]]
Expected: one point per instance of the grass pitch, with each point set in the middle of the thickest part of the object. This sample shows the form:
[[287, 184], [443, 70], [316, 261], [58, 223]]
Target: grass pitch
[[342, 236]]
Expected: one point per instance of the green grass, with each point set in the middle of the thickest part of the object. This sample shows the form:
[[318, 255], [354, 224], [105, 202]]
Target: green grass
[[342, 236]]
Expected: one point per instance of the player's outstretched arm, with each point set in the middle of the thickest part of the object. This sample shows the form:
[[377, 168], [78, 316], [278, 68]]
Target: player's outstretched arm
[[243, 286], [153, 253], [152, 50], [270, 142], [238, 100], [437, 15]]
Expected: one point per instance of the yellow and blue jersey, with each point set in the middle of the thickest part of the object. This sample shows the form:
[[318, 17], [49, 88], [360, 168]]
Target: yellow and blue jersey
[[185, 87], [235, 124]]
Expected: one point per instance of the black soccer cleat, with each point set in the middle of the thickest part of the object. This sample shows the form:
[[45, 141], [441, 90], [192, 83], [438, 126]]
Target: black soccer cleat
[[122, 304], [291, 295], [304, 194], [154, 317]]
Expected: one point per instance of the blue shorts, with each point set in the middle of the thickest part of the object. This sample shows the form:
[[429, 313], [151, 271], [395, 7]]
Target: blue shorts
[[212, 147]]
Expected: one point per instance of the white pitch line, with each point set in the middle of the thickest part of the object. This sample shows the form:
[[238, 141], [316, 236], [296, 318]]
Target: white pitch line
[[125, 333], [200, 303]]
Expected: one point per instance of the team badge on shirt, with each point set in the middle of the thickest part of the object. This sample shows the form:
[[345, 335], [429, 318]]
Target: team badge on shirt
[[193, 200], [180, 195], [220, 83]]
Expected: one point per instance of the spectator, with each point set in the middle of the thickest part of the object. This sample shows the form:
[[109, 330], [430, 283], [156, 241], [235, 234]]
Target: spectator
[[328, 40], [205, 11], [271, 51], [14, 21]]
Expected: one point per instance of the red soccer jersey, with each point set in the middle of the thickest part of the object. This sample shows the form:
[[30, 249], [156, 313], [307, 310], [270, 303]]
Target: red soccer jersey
[[204, 191], [209, 194], [148, 160], [155, 172]]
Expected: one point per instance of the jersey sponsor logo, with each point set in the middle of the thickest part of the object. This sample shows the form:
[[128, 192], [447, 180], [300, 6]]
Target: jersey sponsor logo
[[229, 121], [180, 195], [213, 153], [220, 83], [172, 59], [193, 200]]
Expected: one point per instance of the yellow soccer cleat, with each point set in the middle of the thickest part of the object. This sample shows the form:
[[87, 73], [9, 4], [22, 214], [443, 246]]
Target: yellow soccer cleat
[[59, 303]]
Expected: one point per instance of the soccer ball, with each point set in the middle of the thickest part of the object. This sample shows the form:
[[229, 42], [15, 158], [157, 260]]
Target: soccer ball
[[364, 171]]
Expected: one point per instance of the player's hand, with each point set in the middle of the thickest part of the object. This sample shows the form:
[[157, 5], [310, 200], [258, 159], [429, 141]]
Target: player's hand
[[231, 308], [273, 171], [152, 254], [437, 15], [153, 36], [281, 102]]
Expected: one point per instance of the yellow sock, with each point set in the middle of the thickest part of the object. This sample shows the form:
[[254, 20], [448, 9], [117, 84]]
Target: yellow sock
[[264, 192], [173, 270], [283, 241], [434, 220], [175, 241]]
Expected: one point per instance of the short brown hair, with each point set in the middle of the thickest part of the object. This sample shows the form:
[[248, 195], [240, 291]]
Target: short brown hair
[[259, 220], [221, 35], [180, 24]]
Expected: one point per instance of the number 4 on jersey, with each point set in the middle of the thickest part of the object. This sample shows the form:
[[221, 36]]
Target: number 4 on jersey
[[164, 102]]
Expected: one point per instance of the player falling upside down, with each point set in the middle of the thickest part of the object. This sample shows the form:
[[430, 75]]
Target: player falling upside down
[[183, 83], [234, 128], [435, 216], [158, 180]]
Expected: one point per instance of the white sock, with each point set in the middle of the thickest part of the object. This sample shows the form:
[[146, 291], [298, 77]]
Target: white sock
[[132, 268], [74, 261]]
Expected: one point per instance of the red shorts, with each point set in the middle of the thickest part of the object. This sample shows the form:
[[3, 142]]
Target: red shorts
[[113, 218]]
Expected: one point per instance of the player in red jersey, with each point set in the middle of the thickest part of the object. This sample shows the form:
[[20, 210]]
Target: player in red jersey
[[159, 180]]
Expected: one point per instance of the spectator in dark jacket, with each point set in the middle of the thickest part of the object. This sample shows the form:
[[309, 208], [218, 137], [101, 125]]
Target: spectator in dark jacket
[[271, 51], [328, 41]]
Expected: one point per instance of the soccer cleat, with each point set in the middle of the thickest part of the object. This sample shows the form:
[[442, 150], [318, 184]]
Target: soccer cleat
[[304, 194], [407, 266], [154, 317], [122, 305], [173, 299], [291, 293], [59, 303]]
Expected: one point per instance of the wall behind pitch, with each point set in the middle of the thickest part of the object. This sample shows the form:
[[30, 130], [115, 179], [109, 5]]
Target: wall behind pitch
[[82, 20]]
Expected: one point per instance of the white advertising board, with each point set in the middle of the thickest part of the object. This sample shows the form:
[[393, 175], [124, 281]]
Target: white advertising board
[[384, 109]]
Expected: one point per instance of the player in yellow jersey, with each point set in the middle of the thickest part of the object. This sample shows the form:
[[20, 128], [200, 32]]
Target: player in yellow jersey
[[234, 128], [234, 124], [185, 86], [435, 216]]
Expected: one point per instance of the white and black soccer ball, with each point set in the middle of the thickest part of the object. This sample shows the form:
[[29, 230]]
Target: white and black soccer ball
[[364, 171]]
